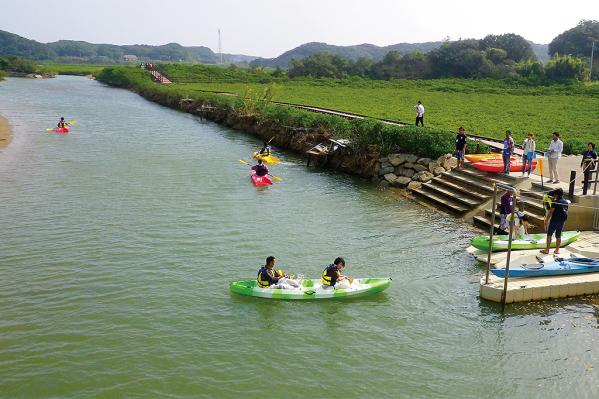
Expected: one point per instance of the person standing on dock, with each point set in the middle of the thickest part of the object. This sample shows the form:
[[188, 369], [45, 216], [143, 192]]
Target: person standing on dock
[[553, 154], [508, 150], [420, 114], [588, 164], [555, 220], [528, 153], [460, 146]]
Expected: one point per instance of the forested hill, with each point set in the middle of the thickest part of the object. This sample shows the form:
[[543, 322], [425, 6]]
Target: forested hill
[[369, 51], [78, 51]]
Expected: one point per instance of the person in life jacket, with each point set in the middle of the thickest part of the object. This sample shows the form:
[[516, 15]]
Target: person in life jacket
[[261, 169], [268, 277], [547, 201], [62, 123], [265, 150], [332, 273]]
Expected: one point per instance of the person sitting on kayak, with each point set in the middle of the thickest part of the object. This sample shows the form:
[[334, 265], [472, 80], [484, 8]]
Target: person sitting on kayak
[[62, 123], [265, 150], [332, 273], [268, 277], [261, 169]]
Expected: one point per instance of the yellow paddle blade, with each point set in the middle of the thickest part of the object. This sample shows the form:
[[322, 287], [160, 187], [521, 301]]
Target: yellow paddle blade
[[49, 129], [73, 122], [244, 162], [276, 178]]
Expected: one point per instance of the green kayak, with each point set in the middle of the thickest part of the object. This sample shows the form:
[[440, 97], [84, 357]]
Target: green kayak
[[311, 289], [531, 241]]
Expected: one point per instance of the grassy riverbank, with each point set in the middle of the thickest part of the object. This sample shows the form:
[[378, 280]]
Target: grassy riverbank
[[485, 107], [367, 136], [5, 135], [66, 69]]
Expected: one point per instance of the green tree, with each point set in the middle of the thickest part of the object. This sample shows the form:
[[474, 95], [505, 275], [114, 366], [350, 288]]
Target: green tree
[[576, 41], [516, 47], [566, 68]]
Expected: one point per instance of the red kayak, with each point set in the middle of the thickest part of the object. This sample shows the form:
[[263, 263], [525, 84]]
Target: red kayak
[[497, 166], [62, 130], [260, 181]]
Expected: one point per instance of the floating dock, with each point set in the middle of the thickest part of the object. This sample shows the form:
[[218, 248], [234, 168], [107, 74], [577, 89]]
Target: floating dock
[[526, 289], [540, 288]]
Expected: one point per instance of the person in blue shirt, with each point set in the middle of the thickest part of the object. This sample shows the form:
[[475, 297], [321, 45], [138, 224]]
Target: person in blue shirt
[[555, 220], [508, 149], [588, 164], [265, 150], [268, 277]]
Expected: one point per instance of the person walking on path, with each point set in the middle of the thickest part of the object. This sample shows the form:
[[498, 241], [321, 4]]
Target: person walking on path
[[420, 114], [554, 223], [460, 146], [528, 153], [508, 149], [554, 152], [588, 164]]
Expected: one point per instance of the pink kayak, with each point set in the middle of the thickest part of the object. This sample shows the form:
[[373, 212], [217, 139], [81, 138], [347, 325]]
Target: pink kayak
[[260, 181], [497, 166], [62, 130]]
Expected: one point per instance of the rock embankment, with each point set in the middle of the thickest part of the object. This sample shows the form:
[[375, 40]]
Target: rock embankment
[[408, 171]]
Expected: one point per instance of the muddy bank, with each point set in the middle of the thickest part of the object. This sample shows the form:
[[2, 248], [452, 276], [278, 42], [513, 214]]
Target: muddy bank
[[5, 133]]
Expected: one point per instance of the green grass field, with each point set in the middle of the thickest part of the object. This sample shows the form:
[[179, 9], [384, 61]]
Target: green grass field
[[483, 107], [64, 69]]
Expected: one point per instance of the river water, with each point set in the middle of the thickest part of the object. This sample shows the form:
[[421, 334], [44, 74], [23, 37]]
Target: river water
[[118, 242]]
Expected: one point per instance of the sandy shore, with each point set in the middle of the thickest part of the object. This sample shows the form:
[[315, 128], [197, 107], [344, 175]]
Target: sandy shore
[[4, 132]]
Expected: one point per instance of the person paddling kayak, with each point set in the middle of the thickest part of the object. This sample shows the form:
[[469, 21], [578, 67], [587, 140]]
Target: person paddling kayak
[[62, 123], [265, 150], [270, 278], [261, 169], [331, 276]]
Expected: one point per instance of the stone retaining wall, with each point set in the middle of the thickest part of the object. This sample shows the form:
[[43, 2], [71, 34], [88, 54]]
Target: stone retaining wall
[[409, 171]]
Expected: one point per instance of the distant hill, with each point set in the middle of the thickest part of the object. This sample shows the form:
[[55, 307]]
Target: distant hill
[[541, 51], [365, 50], [84, 52]]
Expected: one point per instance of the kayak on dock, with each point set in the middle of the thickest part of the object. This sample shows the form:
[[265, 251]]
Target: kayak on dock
[[530, 241], [481, 157], [271, 159], [556, 268], [260, 181], [311, 289], [496, 166]]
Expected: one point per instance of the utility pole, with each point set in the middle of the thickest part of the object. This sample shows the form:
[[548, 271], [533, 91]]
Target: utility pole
[[220, 47], [592, 51]]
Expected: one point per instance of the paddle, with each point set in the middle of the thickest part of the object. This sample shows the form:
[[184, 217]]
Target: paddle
[[275, 178], [73, 122]]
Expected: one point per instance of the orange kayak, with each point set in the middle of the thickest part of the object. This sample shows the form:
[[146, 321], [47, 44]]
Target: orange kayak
[[481, 157]]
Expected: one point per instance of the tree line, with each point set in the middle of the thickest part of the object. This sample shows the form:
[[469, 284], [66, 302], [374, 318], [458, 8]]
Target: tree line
[[496, 56]]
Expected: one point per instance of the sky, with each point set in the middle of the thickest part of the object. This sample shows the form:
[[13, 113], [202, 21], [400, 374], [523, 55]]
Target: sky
[[268, 28]]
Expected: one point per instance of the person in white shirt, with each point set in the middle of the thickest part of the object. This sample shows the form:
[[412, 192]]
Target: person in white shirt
[[553, 154], [528, 153], [420, 114]]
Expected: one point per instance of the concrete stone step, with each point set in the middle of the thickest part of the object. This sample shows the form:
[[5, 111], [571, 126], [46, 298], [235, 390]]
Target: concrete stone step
[[441, 201], [461, 179], [485, 224], [475, 193], [491, 177], [458, 196]]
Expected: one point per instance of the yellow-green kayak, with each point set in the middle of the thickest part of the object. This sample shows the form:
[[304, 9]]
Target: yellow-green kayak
[[266, 158]]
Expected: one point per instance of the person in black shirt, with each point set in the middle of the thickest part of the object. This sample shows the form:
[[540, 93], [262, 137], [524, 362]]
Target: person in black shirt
[[332, 273], [268, 277], [261, 169], [460, 146], [588, 163], [554, 222]]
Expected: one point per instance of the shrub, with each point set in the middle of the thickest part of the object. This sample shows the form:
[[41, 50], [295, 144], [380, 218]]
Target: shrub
[[574, 146]]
